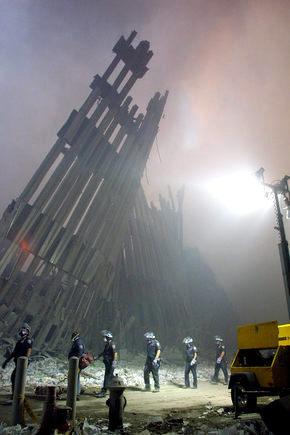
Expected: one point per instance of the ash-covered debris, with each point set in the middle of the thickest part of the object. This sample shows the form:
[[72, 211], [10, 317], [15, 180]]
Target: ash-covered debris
[[158, 425], [45, 369], [179, 425]]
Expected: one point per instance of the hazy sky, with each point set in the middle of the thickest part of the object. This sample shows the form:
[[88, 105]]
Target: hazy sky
[[226, 66]]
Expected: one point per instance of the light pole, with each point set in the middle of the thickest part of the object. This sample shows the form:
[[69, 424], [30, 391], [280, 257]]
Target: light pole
[[281, 188]]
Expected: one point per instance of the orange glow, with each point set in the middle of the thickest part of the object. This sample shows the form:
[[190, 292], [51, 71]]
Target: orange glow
[[24, 245]]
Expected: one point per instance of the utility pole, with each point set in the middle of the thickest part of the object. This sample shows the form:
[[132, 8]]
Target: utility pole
[[283, 245], [281, 188]]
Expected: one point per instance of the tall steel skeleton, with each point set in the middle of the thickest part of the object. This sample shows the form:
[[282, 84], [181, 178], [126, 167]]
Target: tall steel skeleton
[[62, 237]]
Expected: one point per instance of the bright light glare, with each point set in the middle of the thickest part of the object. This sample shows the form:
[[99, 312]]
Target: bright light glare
[[241, 193]]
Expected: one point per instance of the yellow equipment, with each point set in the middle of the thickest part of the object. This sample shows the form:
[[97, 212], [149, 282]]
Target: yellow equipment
[[261, 366]]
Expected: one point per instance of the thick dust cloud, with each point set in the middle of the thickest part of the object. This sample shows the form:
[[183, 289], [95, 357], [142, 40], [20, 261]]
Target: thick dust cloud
[[226, 66]]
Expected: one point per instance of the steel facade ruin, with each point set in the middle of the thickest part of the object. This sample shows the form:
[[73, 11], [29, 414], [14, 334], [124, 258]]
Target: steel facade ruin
[[62, 238]]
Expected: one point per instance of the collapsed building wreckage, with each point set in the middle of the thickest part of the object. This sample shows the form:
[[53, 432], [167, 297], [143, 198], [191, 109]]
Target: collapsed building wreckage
[[81, 248]]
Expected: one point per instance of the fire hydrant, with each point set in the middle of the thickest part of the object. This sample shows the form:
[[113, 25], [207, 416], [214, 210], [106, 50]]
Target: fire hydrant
[[116, 403]]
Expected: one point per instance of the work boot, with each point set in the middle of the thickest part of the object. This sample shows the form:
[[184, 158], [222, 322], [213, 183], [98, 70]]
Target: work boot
[[78, 397], [156, 390], [147, 388], [101, 394], [194, 387], [185, 386]]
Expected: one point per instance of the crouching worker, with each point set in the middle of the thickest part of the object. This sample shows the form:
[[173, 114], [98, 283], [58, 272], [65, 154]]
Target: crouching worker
[[23, 347], [110, 359], [152, 362], [77, 349]]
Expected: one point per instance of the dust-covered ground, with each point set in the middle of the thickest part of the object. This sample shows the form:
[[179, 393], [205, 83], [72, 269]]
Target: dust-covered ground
[[174, 410]]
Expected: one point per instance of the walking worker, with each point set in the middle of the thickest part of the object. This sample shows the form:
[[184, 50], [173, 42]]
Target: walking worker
[[152, 362], [221, 362], [190, 362], [23, 347], [77, 349], [110, 359]]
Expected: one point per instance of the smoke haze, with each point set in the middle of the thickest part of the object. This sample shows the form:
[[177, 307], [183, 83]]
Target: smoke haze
[[226, 66]]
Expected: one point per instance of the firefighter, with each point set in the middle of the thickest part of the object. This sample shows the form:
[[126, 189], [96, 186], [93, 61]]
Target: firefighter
[[110, 359], [190, 362], [221, 362], [23, 347], [77, 349], [152, 362]]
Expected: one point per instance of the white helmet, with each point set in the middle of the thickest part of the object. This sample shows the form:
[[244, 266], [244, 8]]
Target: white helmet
[[149, 335], [107, 334], [218, 338], [187, 340]]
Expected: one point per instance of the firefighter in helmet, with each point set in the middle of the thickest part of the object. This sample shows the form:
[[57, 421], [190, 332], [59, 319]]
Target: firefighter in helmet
[[152, 362], [110, 359], [190, 362], [23, 347], [77, 349], [221, 362]]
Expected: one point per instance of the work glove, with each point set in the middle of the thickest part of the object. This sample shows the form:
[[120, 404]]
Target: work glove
[[192, 362], [219, 360], [114, 363], [4, 364], [155, 361]]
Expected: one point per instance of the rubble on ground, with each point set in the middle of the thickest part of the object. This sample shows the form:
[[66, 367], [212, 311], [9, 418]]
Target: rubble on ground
[[45, 369], [48, 370], [166, 426]]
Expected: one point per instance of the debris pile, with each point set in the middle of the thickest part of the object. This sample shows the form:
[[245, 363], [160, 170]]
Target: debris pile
[[176, 426], [47, 370], [208, 419], [157, 425]]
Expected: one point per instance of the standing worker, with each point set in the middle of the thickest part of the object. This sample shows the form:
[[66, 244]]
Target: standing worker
[[191, 362], [221, 362], [110, 359], [22, 347], [152, 362], [77, 349]]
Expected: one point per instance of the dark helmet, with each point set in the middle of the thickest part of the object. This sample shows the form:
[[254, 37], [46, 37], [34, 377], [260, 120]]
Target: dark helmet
[[24, 330], [75, 335], [107, 334], [27, 327], [149, 335], [187, 340]]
